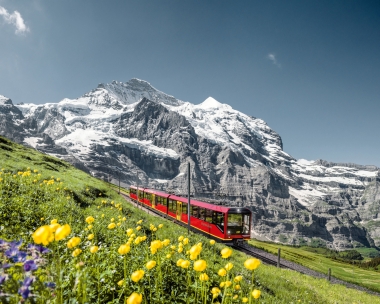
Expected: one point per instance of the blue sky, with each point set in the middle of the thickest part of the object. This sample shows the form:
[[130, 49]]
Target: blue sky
[[310, 69]]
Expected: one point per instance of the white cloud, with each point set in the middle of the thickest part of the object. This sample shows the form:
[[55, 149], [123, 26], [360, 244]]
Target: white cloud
[[272, 57], [14, 19]]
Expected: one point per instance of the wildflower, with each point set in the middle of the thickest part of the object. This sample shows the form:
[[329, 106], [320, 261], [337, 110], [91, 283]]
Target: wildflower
[[195, 250], [138, 228], [89, 227], [160, 226], [203, 277], [185, 241], [90, 237], [76, 252], [120, 283], [215, 292], [30, 265], [124, 249], [237, 287], [118, 224], [94, 249], [54, 227], [222, 272], [226, 252], [252, 263], [212, 242], [150, 264], [111, 226], [155, 245], [137, 275], [42, 235], [62, 232], [166, 242], [200, 265], [179, 262], [229, 266], [180, 238], [50, 285], [185, 264], [103, 215], [134, 298], [129, 231], [238, 279], [112, 219], [139, 222], [24, 289], [42, 219], [256, 293], [168, 256], [73, 242], [180, 250], [3, 278], [244, 300]]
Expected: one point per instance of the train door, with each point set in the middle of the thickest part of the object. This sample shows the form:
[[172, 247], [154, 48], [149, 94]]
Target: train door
[[153, 201], [179, 210]]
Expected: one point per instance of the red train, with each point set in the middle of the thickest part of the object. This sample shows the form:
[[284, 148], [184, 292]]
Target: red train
[[227, 224]]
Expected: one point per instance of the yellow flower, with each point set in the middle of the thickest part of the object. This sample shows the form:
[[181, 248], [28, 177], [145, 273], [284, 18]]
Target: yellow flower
[[139, 222], [203, 277], [150, 264], [90, 237], [168, 256], [229, 266], [185, 264], [73, 242], [124, 249], [54, 221], [155, 245], [212, 242], [137, 275], [226, 252], [200, 265], [237, 287], [238, 279], [215, 290], [179, 262], [180, 238], [129, 231], [134, 298], [62, 232], [160, 226], [235, 297], [185, 241], [42, 235], [193, 257], [222, 272], [244, 300], [118, 224], [138, 228], [111, 226], [112, 219], [166, 242], [124, 219], [180, 250], [54, 227], [256, 293], [120, 283], [103, 215], [42, 219], [94, 249], [89, 227], [195, 250], [252, 264], [76, 252]]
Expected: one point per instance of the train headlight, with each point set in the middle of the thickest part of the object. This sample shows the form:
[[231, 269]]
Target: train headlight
[[229, 231]]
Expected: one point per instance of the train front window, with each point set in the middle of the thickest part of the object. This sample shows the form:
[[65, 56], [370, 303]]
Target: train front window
[[238, 223]]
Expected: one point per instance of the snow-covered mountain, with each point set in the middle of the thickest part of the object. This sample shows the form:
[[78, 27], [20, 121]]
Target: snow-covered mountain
[[148, 137]]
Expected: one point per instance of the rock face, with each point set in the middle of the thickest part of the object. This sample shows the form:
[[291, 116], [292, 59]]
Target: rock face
[[143, 136]]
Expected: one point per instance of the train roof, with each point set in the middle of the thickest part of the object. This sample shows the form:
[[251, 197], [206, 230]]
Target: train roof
[[156, 192]]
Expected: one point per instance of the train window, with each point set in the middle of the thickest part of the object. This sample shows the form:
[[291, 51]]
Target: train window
[[194, 211], [238, 223], [133, 191], [218, 220], [209, 215], [184, 208], [141, 194], [172, 206], [202, 213]]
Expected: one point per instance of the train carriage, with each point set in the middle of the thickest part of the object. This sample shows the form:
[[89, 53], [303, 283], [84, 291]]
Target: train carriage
[[223, 223]]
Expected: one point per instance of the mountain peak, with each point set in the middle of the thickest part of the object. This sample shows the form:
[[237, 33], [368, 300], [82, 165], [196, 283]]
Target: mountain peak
[[210, 103], [5, 100]]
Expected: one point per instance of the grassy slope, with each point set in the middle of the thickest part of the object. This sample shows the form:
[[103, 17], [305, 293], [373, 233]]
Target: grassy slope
[[277, 285], [319, 262]]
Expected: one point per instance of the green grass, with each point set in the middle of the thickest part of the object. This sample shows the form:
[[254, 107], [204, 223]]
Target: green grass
[[27, 202], [315, 259]]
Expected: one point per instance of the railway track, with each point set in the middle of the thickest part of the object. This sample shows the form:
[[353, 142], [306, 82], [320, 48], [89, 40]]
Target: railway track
[[268, 258]]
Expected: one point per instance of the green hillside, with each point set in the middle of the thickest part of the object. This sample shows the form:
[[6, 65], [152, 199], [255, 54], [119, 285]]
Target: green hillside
[[111, 252]]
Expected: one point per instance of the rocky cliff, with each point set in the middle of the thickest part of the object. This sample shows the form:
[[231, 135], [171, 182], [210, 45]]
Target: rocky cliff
[[146, 137]]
